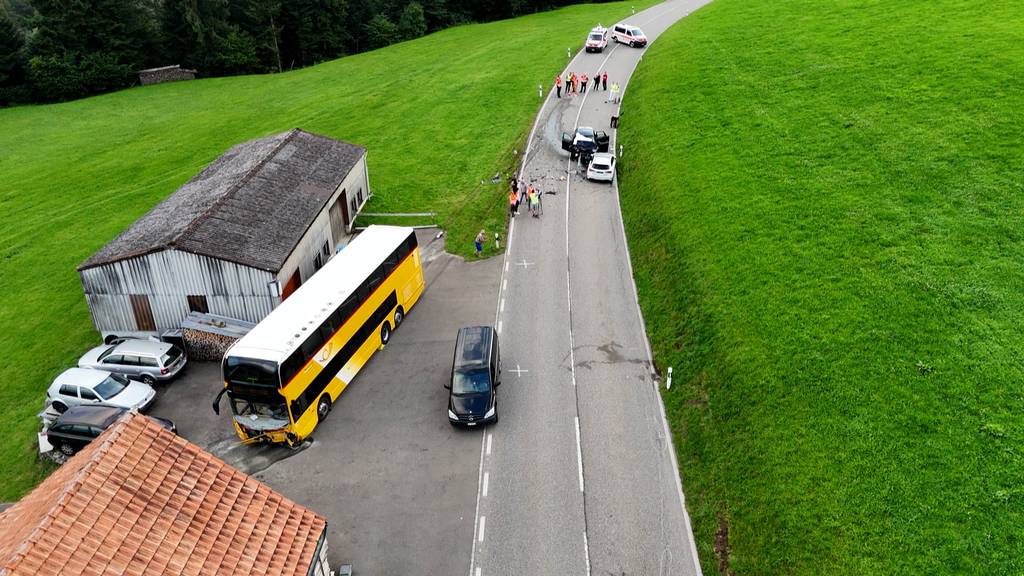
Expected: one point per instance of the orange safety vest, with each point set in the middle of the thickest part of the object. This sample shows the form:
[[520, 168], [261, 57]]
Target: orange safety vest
[[512, 197], [558, 80]]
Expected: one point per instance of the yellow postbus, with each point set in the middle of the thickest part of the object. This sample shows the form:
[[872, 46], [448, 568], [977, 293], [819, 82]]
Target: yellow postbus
[[284, 375]]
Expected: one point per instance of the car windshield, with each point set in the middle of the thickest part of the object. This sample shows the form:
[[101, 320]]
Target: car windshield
[[586, 132], [596, 36], [599, 166], [106, 353], [636, 32], [470, 382], [112, 386]]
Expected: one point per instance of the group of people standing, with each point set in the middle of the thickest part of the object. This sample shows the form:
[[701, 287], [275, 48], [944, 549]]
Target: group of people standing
[[577, 83], [531, 196]]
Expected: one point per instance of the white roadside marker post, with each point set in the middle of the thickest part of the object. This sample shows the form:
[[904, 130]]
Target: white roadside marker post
[[540, 90], [668, 383], [497, 241]]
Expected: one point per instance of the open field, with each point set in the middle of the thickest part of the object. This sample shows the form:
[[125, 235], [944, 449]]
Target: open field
[[824, 205], [438, 114]]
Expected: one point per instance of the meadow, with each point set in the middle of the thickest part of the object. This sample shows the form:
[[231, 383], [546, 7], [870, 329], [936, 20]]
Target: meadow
[[439, 115], [825, 211]]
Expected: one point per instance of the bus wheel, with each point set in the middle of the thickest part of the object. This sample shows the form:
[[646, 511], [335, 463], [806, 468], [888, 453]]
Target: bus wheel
[[323, 408], [399, 316], [385, 334]]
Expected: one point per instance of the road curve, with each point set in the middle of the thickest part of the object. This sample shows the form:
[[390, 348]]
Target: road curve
[[579, 475]]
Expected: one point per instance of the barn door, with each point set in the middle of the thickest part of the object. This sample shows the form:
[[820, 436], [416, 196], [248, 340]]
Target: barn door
[[143, 313], [292, 285], [337, 222]]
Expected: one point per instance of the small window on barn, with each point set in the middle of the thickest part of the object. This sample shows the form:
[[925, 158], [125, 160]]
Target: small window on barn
[[353, 206], [197, 303], [326, 250], [318, 261]]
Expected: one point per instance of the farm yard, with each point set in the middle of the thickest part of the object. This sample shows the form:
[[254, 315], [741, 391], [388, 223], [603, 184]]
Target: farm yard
[[824, 209]]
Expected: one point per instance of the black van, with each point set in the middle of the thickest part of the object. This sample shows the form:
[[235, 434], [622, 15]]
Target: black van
[[476, 373]]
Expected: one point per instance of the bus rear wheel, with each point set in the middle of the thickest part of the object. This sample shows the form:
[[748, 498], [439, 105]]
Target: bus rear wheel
[[385, 334], [399, 316], [323, 408]]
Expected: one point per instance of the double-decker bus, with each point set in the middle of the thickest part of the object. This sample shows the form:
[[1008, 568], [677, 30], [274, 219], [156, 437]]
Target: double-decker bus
[[284, 375]]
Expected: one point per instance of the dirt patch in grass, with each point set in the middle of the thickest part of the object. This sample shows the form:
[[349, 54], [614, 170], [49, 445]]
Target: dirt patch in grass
[[722, 547]]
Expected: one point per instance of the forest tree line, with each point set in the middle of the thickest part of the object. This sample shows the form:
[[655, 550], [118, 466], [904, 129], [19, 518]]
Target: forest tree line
[[55, 50]]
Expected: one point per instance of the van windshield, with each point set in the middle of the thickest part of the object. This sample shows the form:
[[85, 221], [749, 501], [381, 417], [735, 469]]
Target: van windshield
[[474, 381], [596, 36]]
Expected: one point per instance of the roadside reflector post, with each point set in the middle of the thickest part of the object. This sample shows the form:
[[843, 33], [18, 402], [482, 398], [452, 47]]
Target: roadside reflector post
[[620, 151], [497, 241], [540, 90], [668, 382], [568, 52]]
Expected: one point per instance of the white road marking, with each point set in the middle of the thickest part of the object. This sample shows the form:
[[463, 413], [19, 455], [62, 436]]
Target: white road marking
[[479, 487], [506, 263], [519, 371], [499, 326], [483, 525], [477, 571], [501, 308], [489, 438], [524, 263], [487, 481], [586, 551], [504, 284], [579, 461]]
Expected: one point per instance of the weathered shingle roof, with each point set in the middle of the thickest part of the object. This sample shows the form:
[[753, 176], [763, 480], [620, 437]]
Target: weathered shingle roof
[[141, 500], [250, 206]]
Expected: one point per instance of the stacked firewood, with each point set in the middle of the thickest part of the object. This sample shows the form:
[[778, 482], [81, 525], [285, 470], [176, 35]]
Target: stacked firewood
[[203, 345]]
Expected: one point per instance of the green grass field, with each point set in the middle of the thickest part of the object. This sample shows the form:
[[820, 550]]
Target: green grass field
[[825, 204], [438, 115]]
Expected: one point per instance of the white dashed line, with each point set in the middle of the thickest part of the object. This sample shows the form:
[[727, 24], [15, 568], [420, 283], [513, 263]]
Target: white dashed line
[[487, 478], [586, 550], [579, 456], [501, 308], [499, 326], [504, 285], [477, 571], [489, 437], [483, 525]]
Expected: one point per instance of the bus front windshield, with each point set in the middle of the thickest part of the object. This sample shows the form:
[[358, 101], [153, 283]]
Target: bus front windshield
[[258, 407], [470, 382]]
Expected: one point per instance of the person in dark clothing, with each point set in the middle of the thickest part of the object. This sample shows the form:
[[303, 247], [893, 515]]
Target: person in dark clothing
[[558, 85], [597, 81], [604, 81]]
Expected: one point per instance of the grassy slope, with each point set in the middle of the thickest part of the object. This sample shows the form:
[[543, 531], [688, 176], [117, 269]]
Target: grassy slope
[[824, 203], [437, 114]]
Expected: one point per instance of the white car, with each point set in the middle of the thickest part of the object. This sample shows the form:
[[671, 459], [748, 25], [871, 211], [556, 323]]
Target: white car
[[626, 34], [78, 386], [596, 40], [602, 167]]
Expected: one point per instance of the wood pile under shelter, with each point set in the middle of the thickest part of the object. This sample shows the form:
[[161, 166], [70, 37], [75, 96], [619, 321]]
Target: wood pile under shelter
[[208, 336]]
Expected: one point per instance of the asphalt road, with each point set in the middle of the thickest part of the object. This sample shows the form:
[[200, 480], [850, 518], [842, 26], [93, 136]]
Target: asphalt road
[[579, 475]]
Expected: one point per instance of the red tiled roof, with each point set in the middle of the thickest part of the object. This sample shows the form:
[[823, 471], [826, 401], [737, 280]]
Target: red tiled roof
[[141, 500]]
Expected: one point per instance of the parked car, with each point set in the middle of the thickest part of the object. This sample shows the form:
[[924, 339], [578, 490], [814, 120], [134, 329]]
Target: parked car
[[626, 34], [584, 143], [476, 374], [602, 167], [77, 386], [596, 40], [144, 360], [81, 424]]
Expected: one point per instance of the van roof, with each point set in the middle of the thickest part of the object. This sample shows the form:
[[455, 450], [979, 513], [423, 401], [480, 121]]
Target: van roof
[[473, 346]]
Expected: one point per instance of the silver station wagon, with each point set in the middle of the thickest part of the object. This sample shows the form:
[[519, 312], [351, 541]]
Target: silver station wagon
[[144, 360]]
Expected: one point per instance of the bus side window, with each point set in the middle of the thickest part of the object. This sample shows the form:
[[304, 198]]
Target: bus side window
[[312, 344], [291, 367]]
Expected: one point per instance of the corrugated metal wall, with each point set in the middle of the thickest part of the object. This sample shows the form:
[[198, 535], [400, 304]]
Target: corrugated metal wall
[[168, 277]]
